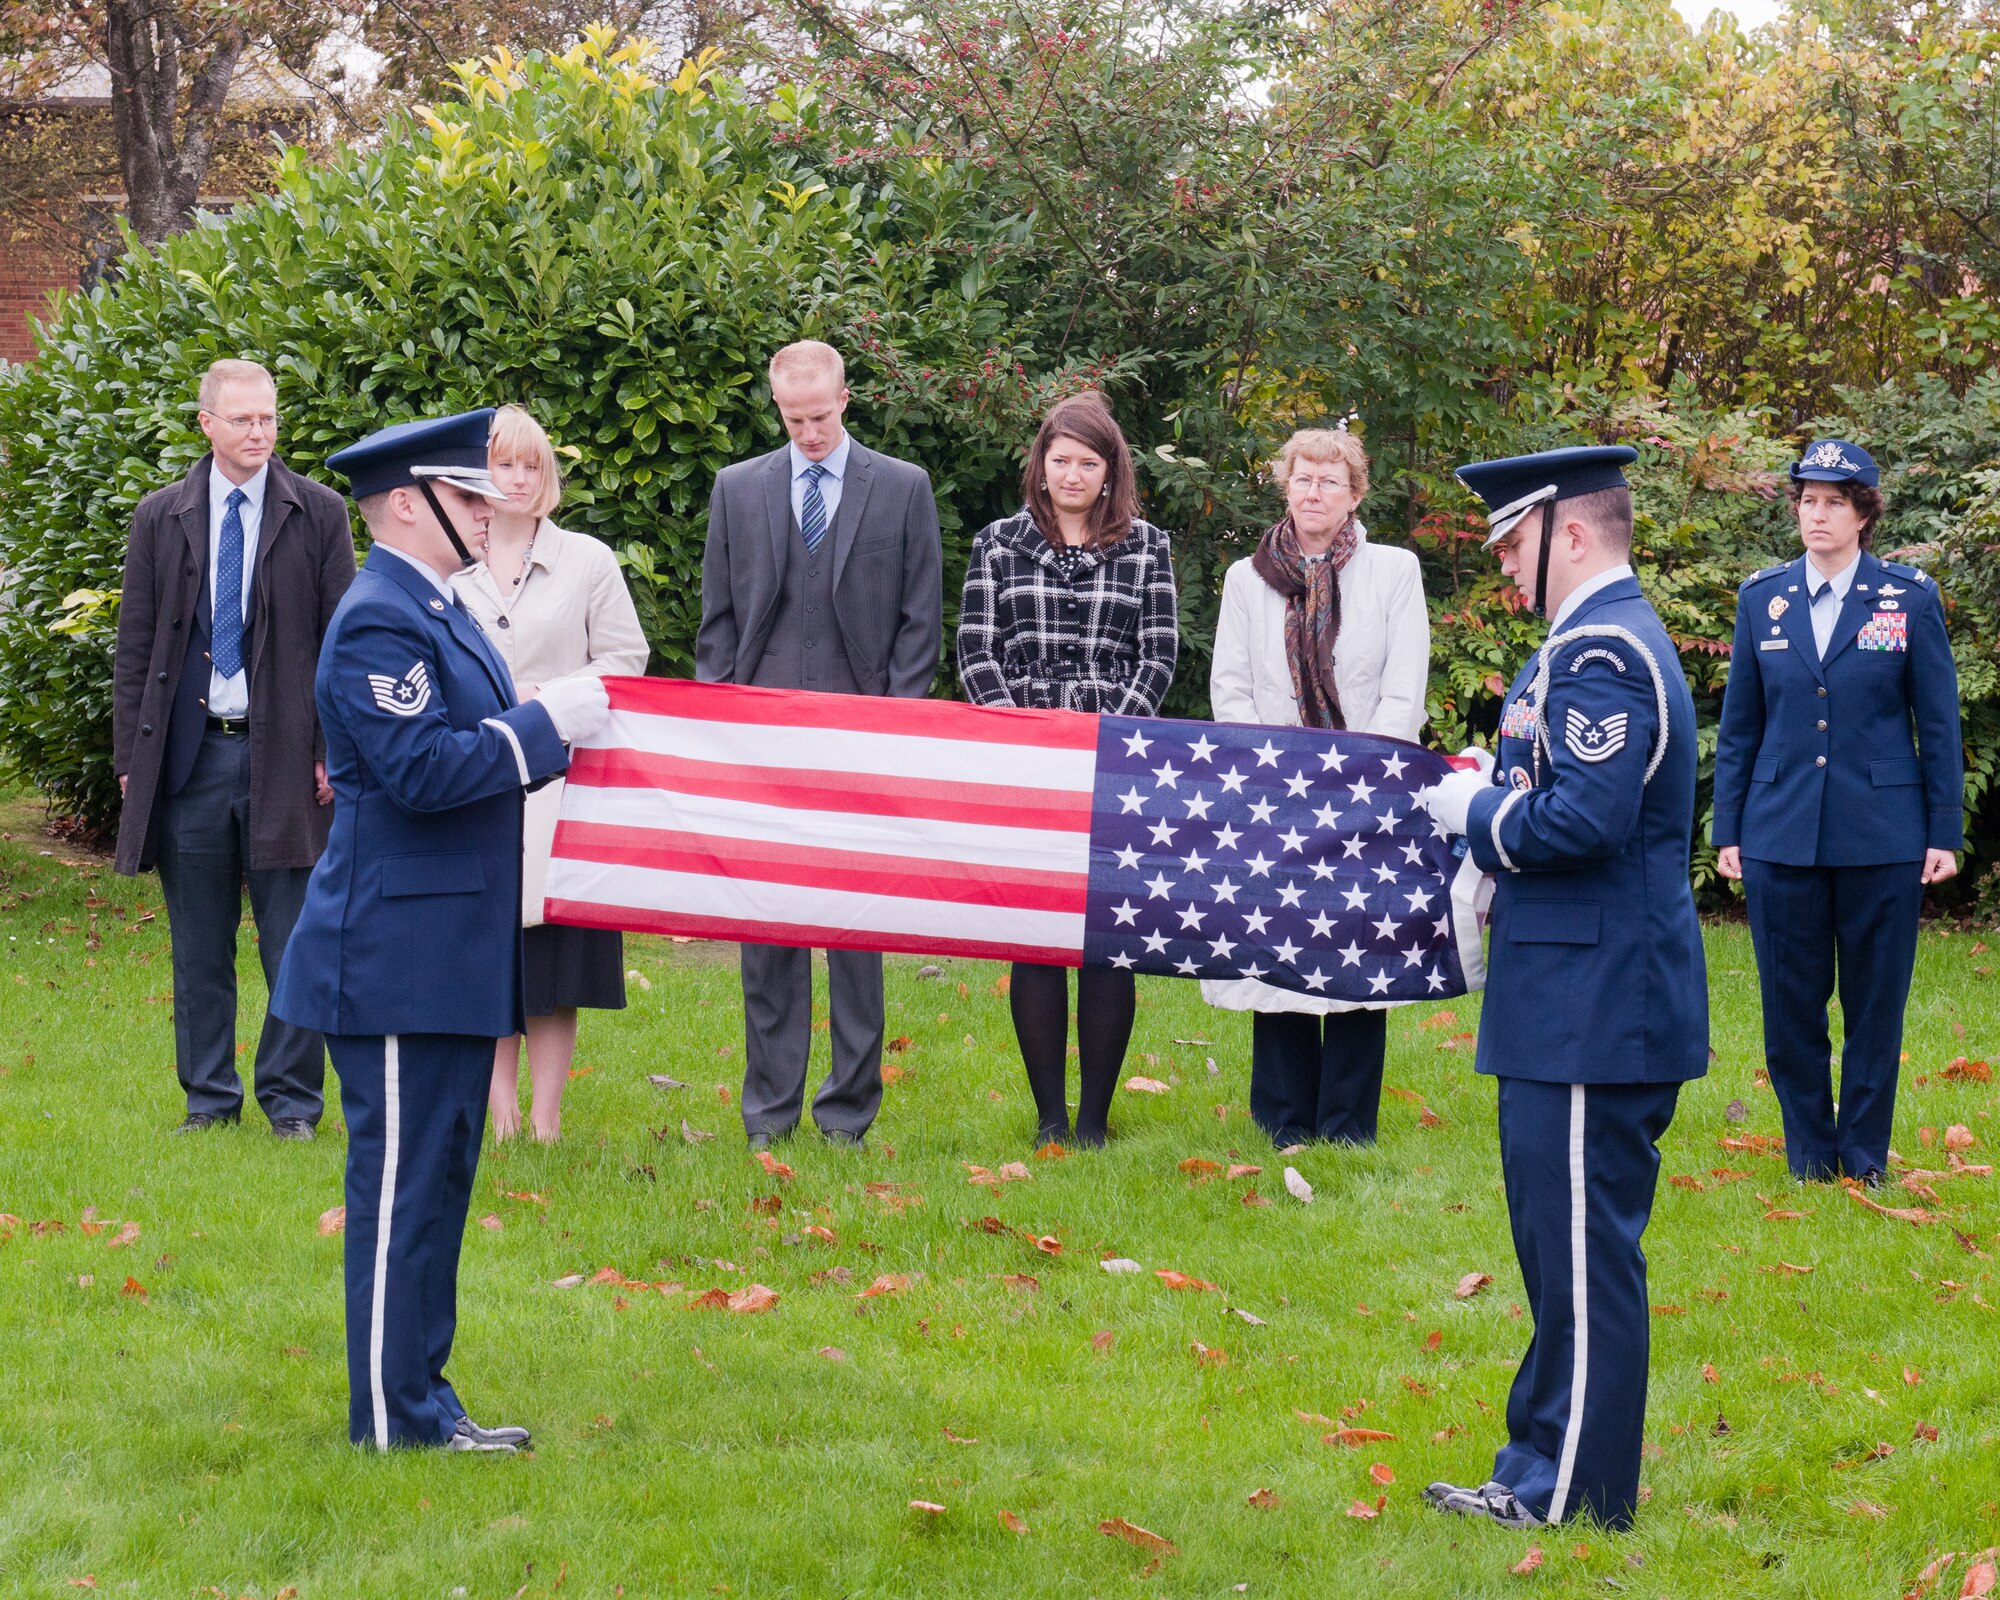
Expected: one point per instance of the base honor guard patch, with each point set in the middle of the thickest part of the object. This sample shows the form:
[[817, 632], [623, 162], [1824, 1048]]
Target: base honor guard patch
[[1518, 720], [404, 696], [1593, 741], [1886, 630]]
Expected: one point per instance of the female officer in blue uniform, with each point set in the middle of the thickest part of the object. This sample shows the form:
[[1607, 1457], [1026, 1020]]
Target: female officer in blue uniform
[[1839, 780]]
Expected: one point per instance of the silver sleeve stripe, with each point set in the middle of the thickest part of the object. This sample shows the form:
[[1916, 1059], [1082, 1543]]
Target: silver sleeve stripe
[[1600, 631], [520, 758], [1513, 799]]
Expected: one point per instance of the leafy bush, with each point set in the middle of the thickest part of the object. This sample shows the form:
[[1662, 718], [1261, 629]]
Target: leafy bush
[[621, 255]]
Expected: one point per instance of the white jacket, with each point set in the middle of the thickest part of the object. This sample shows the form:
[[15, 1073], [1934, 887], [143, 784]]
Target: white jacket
[[1381, 664]]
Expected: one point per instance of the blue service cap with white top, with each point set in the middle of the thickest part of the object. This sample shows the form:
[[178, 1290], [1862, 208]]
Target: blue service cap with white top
[[1514, 486], [1835, 461], [438, 449]]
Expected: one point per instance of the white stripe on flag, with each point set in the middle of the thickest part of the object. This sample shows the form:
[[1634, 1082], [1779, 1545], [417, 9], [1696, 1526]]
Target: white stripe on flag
[[777, 904], [885, 755], [907, 838]]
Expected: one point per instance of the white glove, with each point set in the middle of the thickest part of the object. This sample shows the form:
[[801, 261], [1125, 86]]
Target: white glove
[[1482, 760], [578, 705], [1450, 798]]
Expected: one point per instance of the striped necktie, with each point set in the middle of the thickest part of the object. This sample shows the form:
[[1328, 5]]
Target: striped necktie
[[812, 515]]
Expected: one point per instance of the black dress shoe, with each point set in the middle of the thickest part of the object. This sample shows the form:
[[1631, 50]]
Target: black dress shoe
[[296, 1129], [759, 1140], [195, 1121], [510, 1438], [468, 1435], [1052, 1133], [843, 1138], [1872, 1178]]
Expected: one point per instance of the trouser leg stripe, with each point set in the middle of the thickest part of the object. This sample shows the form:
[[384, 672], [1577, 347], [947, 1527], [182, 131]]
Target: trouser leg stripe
[[392, 1139], [1579, 1308]]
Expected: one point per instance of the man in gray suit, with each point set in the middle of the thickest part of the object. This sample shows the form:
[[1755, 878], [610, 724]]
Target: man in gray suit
[[823, 571]]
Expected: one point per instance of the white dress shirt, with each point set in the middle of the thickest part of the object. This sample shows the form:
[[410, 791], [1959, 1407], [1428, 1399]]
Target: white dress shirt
[[1583, 591], [230, 697], [1828, 594], [835, 466]]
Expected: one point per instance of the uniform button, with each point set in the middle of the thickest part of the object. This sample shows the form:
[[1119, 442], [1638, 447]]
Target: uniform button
[[1822, 691], [147, 730], [811, 643], [1822, 724], [505, 623], [1819, 761], [177, 624], [163, 677]]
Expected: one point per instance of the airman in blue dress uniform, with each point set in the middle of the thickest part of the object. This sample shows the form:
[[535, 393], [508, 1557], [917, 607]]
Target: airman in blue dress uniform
[[1596, 1006], [1839, 778], [407, 954]]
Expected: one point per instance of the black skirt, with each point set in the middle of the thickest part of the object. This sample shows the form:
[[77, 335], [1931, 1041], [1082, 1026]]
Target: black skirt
[[573, 967]]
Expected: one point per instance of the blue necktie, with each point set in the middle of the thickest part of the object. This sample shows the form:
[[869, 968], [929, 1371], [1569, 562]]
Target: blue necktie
[[812, 519], [228, 643]]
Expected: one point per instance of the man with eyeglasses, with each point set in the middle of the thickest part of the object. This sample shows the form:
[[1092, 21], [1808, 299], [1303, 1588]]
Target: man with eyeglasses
[[231, 578]]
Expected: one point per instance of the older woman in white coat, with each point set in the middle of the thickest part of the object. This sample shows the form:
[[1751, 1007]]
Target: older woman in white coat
[[1319, 629]]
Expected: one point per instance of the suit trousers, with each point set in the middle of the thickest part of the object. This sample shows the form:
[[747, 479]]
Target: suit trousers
[[204, 849], [1810, 925], [1317, 1074], [415, 1106], [1581, 1165], [777, 1025]]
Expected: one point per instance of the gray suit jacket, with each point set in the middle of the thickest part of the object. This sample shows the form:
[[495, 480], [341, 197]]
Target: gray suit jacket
[[888, 561]]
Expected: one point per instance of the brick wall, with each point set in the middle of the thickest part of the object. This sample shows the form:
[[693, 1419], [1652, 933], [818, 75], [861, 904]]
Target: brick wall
[[30, 268]]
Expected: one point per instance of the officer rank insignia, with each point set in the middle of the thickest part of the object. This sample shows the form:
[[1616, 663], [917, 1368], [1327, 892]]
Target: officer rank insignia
[[1593, 741], [1886, 630], [404, 696], [1518, 720], [1778, 607]]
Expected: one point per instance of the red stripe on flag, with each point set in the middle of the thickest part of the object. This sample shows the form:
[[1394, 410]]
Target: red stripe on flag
[[718, 856], [636, 919], [854, 713], [804, 789]]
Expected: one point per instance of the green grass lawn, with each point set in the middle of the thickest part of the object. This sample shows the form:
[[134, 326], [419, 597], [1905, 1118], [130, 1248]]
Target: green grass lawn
[[190, 1439]]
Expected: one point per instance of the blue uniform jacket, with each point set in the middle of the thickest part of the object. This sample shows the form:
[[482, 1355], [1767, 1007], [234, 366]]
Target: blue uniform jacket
[[1596, 972], [1852, 761], [412, 919]]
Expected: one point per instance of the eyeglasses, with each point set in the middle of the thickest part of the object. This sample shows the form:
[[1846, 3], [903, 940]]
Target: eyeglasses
[[268, 422], [1306, 485]]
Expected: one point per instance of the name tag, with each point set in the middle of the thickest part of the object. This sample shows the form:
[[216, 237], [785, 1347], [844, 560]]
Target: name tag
[[1774, 644]]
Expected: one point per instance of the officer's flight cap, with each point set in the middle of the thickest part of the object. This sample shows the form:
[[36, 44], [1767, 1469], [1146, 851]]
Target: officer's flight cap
[[1514, 486], [1835, 461], [432, 450]]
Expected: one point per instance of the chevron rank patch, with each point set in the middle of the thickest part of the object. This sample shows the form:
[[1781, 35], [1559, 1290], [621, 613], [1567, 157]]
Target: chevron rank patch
[[404, 696], [1886, 630], [1594, 741]]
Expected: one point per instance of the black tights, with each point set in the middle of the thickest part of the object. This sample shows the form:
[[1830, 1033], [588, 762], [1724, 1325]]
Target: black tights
[[1105, 1000]]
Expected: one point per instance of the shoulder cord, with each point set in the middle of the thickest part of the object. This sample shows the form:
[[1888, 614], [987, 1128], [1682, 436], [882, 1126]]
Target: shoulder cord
[[1540, 691]]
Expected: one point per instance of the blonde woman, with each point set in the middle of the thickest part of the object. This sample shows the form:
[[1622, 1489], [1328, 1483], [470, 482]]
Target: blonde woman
[[1319, 629], [554, 604]]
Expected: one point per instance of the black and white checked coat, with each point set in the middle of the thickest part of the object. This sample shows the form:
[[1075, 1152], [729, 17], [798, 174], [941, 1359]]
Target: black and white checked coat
[[1102, 639]]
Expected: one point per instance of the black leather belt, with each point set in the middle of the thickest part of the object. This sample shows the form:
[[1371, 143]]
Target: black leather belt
[[230, 724]]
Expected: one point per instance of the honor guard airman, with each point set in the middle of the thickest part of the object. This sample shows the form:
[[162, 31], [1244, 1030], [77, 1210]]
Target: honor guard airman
[[407, 954], [1839, 778], [1596, 1007]]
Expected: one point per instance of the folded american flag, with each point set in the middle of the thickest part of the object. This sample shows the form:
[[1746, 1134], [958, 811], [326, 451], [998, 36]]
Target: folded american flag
[[1183, 848]]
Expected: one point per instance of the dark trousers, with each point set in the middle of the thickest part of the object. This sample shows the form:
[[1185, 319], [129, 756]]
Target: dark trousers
[[415, 1106], [777, 1039], [1813, 926], [1581, 1164], [204, 845], [1313, 1074]]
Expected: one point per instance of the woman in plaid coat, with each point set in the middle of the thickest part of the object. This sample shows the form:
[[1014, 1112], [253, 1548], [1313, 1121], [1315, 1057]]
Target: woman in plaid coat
[[1070, 605]]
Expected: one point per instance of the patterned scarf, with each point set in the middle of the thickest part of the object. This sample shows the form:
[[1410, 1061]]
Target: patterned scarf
[[1312, 613]]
